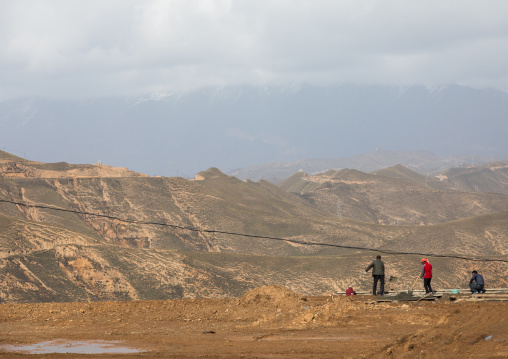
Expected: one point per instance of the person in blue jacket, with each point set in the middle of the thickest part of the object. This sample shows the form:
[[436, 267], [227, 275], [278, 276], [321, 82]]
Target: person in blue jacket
[[477, 284]]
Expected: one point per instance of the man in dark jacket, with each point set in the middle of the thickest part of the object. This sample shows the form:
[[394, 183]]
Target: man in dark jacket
[[476, 283], [378, 274]]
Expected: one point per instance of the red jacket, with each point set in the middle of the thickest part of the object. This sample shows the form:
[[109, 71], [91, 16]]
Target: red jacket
[[350, 291], [427, 270]]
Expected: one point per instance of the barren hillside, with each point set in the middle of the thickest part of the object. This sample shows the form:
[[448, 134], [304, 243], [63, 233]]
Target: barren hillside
[[393, 196], [118, 235], [491, 177]]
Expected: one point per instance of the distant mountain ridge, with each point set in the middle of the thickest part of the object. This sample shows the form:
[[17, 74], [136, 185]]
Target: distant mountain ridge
[[16, 167], [397, 195], [181, 134], [423, 162]]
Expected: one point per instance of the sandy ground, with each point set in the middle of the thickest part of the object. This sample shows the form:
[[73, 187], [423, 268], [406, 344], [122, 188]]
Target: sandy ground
[[268, 322]]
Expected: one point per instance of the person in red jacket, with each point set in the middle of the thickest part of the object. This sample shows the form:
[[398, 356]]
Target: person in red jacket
[[426, 275], [350, 291]]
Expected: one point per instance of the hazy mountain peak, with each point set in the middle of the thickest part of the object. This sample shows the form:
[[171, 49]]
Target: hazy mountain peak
[[212, 172]]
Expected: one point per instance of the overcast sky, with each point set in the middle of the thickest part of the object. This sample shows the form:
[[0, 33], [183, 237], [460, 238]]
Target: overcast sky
[[130, 47]]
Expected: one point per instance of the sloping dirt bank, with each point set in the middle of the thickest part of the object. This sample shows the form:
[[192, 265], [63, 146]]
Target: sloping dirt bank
[[268, 322]]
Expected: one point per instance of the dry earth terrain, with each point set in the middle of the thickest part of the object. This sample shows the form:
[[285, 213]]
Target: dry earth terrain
[[93, 232], [267, 322], [116, 259]]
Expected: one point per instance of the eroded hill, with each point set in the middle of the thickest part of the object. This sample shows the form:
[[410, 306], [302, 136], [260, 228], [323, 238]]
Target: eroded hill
[[118, 235], [397, 195]]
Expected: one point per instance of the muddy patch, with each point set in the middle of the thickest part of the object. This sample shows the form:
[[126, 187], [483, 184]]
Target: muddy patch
[[72, 347]]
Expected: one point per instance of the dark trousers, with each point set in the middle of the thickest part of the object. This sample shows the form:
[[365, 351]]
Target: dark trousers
[[475, 287], [377, 278], [426, 285]]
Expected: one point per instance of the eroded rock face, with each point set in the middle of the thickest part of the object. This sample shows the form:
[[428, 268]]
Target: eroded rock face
[[122, 235]]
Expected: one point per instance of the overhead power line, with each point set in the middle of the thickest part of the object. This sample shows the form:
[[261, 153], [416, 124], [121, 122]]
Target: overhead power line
[[296, 241]]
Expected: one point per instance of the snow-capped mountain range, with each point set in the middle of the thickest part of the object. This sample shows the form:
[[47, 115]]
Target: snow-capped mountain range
[[182, 133]]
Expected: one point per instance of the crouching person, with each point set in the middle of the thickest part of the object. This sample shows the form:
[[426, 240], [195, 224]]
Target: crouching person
[[476, 283], [350, 291]]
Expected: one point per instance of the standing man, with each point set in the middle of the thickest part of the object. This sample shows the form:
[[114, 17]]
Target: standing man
[[476, 283], [426, 275], [378, 274]]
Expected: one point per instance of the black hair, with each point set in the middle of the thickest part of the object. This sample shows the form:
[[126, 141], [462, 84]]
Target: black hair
[[474, 271], [378, 257]]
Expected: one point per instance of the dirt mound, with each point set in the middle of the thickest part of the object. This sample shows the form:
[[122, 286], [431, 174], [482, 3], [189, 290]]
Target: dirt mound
[[271, 294], [272, 305], [279, 307]]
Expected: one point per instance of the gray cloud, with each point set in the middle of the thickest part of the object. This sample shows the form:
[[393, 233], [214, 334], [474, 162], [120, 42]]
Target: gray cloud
[[124, 47]]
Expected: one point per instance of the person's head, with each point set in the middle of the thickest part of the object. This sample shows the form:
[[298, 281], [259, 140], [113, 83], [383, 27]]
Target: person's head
[[474, 272], [378, 257], [424, 260]]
